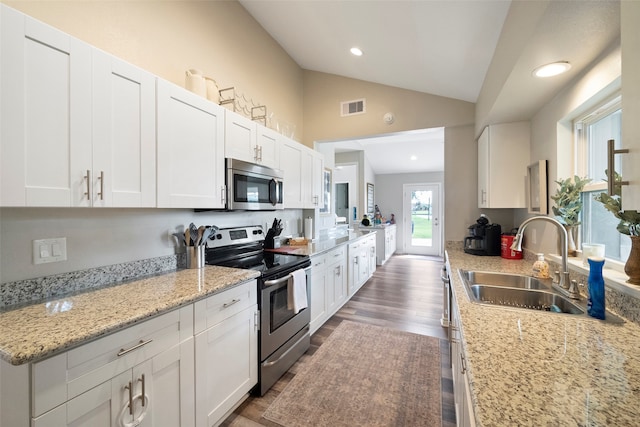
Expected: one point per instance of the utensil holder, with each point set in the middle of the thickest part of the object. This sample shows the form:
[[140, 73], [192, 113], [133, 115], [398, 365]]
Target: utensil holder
[[195, 256]]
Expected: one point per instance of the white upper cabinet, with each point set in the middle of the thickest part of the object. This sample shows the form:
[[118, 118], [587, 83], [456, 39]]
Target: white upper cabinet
[[240, 135], [503, 157], [630, 16], [249, 141], [303, 173], [45, 148], [291, 155], [190, 150], [124, 134], [78, 125], [268, 147]]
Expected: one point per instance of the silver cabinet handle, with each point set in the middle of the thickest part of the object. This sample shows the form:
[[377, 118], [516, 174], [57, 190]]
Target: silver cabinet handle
[[101, 178], [611, 175], [463, 363], [256, 156], [229, 304], [142, 343], [130, 388], [143, 394], [223, 194], [260, 151], [88, 178]]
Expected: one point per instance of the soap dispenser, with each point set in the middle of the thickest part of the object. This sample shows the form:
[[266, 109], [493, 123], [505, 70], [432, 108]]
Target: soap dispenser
[[541, 268]]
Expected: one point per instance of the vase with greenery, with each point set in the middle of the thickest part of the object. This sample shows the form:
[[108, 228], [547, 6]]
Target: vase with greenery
[[568, 205], [629, 224]]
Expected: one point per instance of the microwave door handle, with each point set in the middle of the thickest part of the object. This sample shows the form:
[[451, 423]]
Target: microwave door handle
[[274, 189]]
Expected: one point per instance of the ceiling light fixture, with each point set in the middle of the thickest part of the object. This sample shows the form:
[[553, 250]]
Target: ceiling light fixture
[[356, 51], [414, 158], [553, 69]]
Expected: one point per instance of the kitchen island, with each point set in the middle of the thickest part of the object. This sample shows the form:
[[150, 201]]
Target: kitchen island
[[526, 367]]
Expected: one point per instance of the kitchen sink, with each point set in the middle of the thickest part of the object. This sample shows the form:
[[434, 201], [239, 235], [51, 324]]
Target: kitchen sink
[[524, 298], [503, 279], [523, 292]]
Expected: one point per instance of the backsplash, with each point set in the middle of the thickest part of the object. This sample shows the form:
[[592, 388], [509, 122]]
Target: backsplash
[[30, 291]]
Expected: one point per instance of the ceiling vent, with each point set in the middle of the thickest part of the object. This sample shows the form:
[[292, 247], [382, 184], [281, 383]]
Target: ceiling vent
[[350, 108]]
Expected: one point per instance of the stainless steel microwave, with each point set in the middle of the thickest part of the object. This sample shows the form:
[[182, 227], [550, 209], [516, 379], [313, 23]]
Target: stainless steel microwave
[[253, 187]]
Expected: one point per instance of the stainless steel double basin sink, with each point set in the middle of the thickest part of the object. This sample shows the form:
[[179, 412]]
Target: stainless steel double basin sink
[[519, 291]]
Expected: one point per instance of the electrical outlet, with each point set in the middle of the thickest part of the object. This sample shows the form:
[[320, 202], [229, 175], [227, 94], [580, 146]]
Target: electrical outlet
[[49, 250]]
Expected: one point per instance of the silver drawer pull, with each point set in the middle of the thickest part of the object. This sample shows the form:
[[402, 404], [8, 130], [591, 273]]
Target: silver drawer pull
[[229, 304], [142, 343]]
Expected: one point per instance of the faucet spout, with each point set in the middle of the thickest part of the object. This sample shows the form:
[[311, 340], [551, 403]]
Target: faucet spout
[[564, 238]]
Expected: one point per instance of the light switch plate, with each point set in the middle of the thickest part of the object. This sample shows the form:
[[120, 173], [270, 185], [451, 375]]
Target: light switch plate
[[49, 250]]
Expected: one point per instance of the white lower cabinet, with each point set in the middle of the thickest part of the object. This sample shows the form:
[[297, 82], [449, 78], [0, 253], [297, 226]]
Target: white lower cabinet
[[318, 291], [226, 352], [140, 376], [155, 393], [362, 262], [386, 242], [461, 390], [328, 285]]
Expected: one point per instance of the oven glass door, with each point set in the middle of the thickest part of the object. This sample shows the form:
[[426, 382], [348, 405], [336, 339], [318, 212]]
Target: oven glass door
[[279, 312], [278, 323], [252, 189]]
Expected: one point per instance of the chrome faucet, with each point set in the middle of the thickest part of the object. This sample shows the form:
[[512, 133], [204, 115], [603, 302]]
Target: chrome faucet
[[563, 282]]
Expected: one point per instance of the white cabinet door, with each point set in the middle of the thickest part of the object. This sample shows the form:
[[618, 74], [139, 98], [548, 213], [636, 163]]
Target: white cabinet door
[[318, 296], [226, 361], [190, 149], [629, 17], [124, 134], [291, 157], [336, 276], [46, 114], [240, 136], [503, 157], [268, 147], [316, 199], [169, 379]]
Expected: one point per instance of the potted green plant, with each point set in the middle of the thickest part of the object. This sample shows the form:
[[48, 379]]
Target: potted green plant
[[629, 224], [568, 205]]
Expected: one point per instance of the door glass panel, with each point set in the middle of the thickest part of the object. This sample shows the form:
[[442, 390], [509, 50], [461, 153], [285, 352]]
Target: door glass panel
[[421, 218]]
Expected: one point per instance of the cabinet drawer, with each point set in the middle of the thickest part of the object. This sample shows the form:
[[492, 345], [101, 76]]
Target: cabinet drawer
[[336, 254], [62, 377], [318, 262], [213, 310]]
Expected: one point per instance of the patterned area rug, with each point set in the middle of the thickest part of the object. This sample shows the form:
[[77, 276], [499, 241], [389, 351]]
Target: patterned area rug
[[365, 375]]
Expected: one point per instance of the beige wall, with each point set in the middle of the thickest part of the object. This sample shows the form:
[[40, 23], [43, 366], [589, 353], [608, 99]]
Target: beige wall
[[413, 110], [169, 37]]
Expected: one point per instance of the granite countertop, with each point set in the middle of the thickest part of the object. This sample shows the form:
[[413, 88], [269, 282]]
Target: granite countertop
[[321, 246], [36, 331], [532, 368]]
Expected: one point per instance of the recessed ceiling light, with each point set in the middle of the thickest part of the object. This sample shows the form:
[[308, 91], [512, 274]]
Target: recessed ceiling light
[[356, 51], [552, 69], [414, 158]]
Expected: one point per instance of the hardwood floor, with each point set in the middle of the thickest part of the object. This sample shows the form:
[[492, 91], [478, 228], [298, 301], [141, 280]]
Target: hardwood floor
[[404, 294]]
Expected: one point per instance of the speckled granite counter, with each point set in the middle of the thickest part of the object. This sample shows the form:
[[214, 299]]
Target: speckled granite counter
[[320, 246], [532, 368], [40, 330]]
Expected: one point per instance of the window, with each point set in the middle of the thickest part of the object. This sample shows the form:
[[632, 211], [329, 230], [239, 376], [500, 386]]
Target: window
[[592, 131]]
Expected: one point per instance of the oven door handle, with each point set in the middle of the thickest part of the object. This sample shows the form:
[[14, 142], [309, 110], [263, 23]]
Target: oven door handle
[[274, 282]]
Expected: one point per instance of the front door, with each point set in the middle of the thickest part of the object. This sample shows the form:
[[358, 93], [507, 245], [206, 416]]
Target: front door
[[421, 219]]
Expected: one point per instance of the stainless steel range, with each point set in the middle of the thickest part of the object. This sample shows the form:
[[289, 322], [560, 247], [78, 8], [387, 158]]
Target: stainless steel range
[[284, 335]]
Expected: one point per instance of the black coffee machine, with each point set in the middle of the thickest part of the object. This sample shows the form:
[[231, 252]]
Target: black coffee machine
[[483, 238]]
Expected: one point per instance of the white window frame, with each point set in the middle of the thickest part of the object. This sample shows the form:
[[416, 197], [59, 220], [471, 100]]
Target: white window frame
[[603, 109]]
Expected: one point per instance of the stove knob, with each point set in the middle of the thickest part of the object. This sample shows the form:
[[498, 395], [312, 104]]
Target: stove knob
[[218, 236], [257, 231]]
